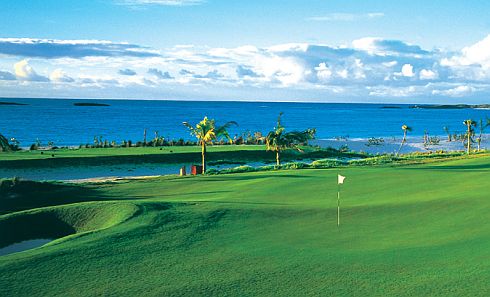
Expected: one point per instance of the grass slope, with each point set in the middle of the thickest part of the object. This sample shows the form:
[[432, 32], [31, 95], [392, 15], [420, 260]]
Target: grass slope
[[171, 154], [108, 152], [417, 230]]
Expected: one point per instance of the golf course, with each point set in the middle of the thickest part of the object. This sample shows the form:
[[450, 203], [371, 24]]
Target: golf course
[[405, 230]]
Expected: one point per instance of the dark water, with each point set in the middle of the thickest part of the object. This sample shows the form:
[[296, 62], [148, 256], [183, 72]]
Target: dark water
[[58, 120], [66, 173], [23, 246]]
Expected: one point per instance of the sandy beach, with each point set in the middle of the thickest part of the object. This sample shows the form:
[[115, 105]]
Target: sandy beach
[[391, 145]]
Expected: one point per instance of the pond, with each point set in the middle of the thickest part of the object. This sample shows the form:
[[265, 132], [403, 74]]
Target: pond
[[23, 246], [66, 173]]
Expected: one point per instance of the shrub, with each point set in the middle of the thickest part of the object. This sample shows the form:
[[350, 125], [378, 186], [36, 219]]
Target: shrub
[[326, 163], [294, 165], [378, 160]]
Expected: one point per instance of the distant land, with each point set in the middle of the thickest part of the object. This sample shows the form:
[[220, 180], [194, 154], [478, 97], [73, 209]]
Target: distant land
[[391, 107], [451, 106], [90, 104], [11, 103]]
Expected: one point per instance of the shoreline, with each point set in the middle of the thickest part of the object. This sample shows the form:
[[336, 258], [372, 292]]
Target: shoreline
[[392, 144]]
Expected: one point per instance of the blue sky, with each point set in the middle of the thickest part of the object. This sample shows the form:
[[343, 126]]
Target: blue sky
[[329, 51]]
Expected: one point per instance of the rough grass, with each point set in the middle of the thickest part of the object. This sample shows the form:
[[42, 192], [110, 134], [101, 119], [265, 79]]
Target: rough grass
[[218, 154], [417, 230]]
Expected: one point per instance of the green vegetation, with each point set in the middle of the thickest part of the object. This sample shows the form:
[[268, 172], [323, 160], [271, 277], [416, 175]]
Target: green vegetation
[[408, 230], [231, 154], [206, 132], [4, 144], [481, 127], [278, 140]]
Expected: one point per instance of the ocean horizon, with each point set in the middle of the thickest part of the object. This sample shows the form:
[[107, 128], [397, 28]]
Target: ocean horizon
[[61, 122]]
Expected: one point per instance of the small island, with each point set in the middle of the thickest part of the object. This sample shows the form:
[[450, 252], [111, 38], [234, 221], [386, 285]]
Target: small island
[[11, 103], [451, 106], [90, 104], [390, 107]]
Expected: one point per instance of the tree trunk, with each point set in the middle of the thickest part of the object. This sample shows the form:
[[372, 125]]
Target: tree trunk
[[403, 142], [469, 140], [278, 161], [203, 153]]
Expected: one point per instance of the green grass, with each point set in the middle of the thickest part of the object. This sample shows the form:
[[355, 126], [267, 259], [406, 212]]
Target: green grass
[[107, 152], [407, 230], [172, 154]]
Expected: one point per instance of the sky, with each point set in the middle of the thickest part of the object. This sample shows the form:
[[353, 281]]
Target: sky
[[289, 50]]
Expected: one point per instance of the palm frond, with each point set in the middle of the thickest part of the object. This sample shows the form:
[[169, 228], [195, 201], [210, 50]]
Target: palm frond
[[189, 126], [4, 143], [222, 131]]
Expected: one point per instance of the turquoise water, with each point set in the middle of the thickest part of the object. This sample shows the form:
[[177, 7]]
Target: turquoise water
[[58, 120]]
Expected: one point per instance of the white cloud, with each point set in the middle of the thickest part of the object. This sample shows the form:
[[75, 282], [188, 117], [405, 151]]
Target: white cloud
[[427, 74], [346, 17], [127, 71], [407, 91], [344, 73], [323, 72], [407, 70], [371, 67], [56, 49], [390, 64], [59, 75], [6, 75], [458, 91], [24, 71], [476, 54], [385, 47], [160, 74], [160, 2]]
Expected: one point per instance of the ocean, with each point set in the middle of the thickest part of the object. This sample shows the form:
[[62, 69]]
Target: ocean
[[59, 121]]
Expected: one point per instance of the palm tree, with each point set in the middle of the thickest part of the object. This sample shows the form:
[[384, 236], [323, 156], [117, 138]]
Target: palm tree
[[206, 132], [405, 129], [446, 129], [482, 127], [278, 140], [4, 144], [470, 131]]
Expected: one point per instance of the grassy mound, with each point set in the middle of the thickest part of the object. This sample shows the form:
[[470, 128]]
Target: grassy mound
[[17, 195], [56, 222]]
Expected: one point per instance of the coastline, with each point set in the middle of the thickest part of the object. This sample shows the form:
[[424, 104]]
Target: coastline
[[391, 145]]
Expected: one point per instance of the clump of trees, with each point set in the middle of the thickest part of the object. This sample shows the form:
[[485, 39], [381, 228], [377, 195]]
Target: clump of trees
[[470, 134], [246, 137], [373, 141], [279, 140], [482, 125]]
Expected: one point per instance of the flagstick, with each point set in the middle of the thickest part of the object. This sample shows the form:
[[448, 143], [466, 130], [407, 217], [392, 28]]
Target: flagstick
[[338, 205]]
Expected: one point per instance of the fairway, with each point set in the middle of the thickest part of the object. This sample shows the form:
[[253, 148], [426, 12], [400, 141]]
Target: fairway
[[406, 230]]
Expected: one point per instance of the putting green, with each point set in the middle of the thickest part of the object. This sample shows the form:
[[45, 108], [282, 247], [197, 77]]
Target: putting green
[[417, 230]]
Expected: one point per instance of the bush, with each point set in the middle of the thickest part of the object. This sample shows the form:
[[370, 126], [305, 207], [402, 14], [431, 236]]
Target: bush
[[378, 160], [326, 163], [294, 165]]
